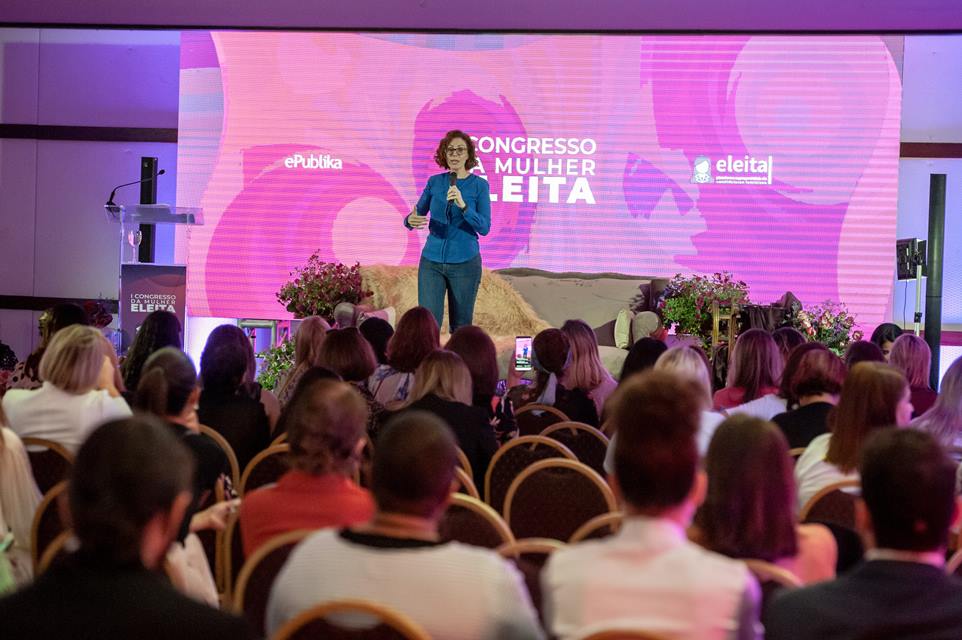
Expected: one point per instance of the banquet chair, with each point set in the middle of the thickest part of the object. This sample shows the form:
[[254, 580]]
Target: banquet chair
[[58, 549], [281, 439], [465, 464], [771, 578], [512, 458], [534, 418], [585, 441], [796, 453], [466, 484], [470, 521], [832, 504], [530, 555], [253, 586], [230, 558], [623, 634], [221, 442], [48, 521], [266, 467], [49, 461], [553, 498], [385, 623], [607, 524]]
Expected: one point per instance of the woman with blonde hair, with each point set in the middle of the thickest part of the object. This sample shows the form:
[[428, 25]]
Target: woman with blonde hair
[[442, 386], [307, 353], [911, 355], [19, 498], [79, 390], [874, 396], [944, 420], [585, 371], [687, 361], [755, 371]]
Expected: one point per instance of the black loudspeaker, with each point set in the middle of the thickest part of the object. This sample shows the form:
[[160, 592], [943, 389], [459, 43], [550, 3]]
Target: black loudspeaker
[[148, 195], [933, 289]]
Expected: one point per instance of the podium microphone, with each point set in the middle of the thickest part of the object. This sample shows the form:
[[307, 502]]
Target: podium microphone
[[110, 200]]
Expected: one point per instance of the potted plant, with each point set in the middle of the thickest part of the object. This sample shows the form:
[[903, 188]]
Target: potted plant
[[687, 302], [313, 290]]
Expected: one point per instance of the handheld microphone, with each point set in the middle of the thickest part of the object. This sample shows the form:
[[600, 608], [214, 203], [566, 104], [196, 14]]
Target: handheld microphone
[[453, 178], [110, 200]]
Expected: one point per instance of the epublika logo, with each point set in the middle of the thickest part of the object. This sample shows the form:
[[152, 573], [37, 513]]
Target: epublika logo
[[313, 161]]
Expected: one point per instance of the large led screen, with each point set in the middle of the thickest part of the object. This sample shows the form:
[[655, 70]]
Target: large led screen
[[774, 157]]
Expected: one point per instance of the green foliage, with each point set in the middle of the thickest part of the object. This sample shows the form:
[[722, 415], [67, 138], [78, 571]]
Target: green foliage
[[278, 361], [687, 301]]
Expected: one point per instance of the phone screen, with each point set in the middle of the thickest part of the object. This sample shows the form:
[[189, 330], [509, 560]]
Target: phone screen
[[522, 353]]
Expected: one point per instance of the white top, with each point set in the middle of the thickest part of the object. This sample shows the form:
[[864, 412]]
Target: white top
[[812, 473], [649, 576], [65, 418], [454, 591], [766, 407], [709, 422], [600, 394]]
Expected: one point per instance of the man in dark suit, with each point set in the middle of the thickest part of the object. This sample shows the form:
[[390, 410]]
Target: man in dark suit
[[901, 590], [129, 489]]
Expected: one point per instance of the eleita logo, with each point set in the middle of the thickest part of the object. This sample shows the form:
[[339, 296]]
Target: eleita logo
[[729, 170], [313, 161]]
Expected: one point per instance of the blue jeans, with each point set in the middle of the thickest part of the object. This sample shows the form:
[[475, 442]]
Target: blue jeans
[[459, 280]]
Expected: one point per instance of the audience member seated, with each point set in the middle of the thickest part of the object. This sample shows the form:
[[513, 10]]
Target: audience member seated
[[19, 498], [585, 371], [26, 374], [901, 591], [550, 357], [641, 357], [815, 384], [771, 404], [377, 332], [450, 589], [442, 386], [346, 353], [750, 508], [649, 576], [307, 349], [226, 404], [325, 424], [885, 336], [477, 350], [690, 362], [755, 370], [862, 351], [160, 329], [168, 389], [944, 420], [416, 336], [787, 339], [79, 390], [911, 355], [129, 490], [874, 396]]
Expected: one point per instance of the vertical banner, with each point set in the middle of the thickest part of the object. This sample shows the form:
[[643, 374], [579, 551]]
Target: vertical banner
[[145, 288]]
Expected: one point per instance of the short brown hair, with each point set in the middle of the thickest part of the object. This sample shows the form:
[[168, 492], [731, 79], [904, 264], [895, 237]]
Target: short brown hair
[[441, 154], [309, 339], [73, 359], [794, 358], [348, 354], [477, 350], [748, 512], [324, 422], [413, 464], [416, 336], [870, 394], [656, 415], [818, 371]]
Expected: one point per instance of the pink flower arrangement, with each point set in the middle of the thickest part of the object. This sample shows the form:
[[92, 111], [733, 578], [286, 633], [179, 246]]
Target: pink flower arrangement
[[319, 286], [829, 323]]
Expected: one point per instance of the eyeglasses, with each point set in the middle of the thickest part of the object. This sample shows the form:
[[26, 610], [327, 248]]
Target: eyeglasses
[[456, 151]]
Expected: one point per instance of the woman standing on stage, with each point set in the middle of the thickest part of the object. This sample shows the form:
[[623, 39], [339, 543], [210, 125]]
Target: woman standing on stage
[[459, 203]]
